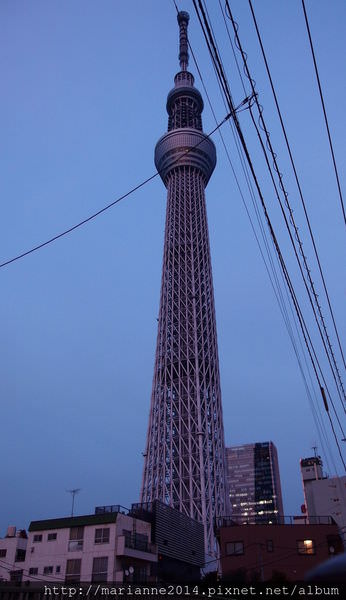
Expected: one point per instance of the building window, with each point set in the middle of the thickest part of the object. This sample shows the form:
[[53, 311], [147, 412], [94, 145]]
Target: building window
[[270, 546], [306, 547], [51, 537], [76, 539], [47, 570], [38, 537], [234, 548], [73, 568], [20, 555], [16, 575], [137, 541], [334, 543], [33, 571], [3, 552], [58, 569], [100, 568], [102, 536]]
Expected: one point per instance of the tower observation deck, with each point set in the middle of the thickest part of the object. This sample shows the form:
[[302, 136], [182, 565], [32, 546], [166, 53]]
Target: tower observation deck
[[185, 456]]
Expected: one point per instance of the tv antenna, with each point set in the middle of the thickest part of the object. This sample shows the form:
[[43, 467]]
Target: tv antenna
[[73, 494]]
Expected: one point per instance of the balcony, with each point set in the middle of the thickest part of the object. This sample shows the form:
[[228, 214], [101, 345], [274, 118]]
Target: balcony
[[136, 548]]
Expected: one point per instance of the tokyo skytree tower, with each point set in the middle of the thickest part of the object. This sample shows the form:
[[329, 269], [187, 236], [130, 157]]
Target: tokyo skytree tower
[[184, 457]]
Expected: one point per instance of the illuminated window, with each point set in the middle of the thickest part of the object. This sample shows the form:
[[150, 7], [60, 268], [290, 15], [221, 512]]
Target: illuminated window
[[306, 547]]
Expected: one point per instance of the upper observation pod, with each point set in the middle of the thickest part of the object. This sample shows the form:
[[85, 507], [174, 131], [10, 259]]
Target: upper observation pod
[[189, 147]]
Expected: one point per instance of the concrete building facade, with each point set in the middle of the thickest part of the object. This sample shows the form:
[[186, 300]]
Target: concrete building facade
[[323, 495], [12, 553], [284, 552], [108, 546]]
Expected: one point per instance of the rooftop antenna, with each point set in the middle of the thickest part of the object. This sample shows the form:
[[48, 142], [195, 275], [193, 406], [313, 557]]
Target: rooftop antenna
[[315, 450], [183, 20], [73, 494]]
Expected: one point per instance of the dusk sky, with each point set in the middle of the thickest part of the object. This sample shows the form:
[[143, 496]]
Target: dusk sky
[[84, 89]]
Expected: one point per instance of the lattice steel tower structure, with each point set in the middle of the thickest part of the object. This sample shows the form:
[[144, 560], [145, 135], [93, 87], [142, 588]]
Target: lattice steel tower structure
[[185, 457]]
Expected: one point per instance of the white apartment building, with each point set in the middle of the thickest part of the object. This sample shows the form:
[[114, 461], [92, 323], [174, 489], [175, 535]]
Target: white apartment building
[[108, 547], [12, 553], [323, 495]]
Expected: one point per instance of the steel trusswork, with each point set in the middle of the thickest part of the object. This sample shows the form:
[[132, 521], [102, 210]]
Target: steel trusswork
[[184, 457]]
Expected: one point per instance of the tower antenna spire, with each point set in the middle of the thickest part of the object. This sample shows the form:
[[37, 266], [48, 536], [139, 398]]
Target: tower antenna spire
[[183, 20]]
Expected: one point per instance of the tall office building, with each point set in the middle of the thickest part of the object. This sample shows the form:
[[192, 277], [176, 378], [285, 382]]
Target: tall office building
[[254, 483], [184, 457]]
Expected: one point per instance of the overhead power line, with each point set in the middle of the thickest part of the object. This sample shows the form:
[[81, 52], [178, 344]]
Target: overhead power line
[[297, 179], [225, 86], [325, 340], [270, 267], [324, 113], [316, 412], [111, 204]]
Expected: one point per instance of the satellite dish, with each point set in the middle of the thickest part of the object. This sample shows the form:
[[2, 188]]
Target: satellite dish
[[131, 570]]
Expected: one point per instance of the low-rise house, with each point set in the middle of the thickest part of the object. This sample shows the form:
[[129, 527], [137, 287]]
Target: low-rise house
[[283, 551], [12, 554]]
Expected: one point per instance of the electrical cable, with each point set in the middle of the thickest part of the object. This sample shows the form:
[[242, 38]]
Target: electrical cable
[[324, 112], [108, 206], [293, 552], [330, 354], [296, 178], [316, 413], [315, 416], [216, 60], [325, 384], [274, 156], [319, 425]]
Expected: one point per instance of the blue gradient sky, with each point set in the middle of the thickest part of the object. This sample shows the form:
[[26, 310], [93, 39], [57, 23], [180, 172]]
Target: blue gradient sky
[[83, 104]]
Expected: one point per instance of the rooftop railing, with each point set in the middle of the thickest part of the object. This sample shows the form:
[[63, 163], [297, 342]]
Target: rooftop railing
[[237, 520]]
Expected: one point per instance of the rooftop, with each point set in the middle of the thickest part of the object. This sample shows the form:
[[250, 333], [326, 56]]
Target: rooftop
[[80, 521]]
